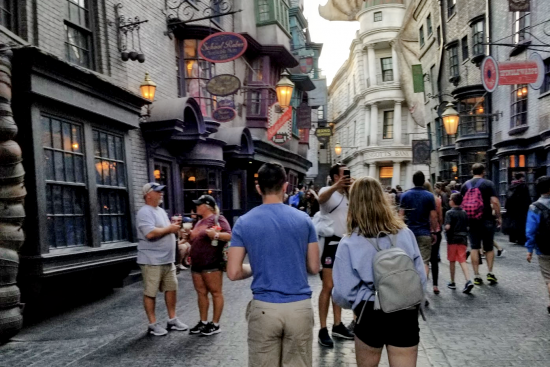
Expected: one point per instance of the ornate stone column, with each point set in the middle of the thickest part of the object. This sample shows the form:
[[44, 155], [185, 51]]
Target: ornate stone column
[[372, 64], [374, 124], [408, 176], [397, 122], [395, 63], [372, 170], [396, 178], [367, 125]]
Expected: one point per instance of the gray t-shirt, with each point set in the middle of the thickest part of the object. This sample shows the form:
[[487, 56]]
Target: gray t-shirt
[[159, 251]]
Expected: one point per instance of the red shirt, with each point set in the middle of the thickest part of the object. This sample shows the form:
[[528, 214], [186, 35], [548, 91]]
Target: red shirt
[[202, 251]]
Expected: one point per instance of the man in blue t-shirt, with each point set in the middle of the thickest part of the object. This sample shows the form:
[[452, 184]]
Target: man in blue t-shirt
[[417, 207], [281, 244]]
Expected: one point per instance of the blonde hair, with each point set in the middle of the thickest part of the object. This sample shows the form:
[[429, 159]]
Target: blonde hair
[[215, 210], [428, 186], [369, 211]]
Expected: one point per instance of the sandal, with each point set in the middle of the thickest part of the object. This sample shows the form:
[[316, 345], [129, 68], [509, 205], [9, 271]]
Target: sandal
[[436, 289]]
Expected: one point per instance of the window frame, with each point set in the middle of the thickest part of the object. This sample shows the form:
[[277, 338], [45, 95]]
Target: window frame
[[451, 6], [465, 50], [377, 16], [478, 35], [546, 84], [384, 71], [84, 29], [429, 27], [12, 10], [453, 61], [214, 190], [278, 13], [519, 106], [519, 29], [387, 125], [421, 36]]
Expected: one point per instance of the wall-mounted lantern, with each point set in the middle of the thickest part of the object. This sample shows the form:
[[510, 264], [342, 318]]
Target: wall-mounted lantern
[[450, 119], [148, 88], [284, 89]]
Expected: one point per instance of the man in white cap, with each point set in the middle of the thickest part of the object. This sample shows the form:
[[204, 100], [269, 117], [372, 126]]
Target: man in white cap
[[156, 257]]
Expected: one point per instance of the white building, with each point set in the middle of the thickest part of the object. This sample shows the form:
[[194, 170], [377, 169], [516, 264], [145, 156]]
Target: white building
[[367, 107]]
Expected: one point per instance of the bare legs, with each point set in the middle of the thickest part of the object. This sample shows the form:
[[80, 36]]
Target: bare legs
[[209, 283], [170, 297], [367, 356], [325, 298], [464, 270]]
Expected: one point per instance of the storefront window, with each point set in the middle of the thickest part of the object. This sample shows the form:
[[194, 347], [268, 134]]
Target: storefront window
[[162, 174], [196, 73], [444, 138], [519, 105], [449, 170], [200, 181], [467, 160], [386, 174], [470, 120]]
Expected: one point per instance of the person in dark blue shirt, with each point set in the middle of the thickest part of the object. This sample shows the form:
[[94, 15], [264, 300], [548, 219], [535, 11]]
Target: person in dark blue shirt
[[417, 207]]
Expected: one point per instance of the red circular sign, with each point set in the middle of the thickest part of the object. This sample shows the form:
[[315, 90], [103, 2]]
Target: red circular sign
[[489, 74]]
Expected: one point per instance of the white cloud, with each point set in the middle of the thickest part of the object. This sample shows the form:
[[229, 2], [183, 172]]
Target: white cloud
[[336, 38]]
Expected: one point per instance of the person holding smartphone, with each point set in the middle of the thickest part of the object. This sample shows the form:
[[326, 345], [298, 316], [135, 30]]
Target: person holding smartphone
[[333, 201]]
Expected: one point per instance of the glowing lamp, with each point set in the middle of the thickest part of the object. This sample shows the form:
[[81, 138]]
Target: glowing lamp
[[450, 119], [284, 89], [191, 179], [338, 149], [148, 88], [157, 174]]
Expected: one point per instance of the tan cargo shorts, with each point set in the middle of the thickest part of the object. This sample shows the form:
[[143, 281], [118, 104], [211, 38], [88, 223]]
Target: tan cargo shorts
[[158, 278], [425, 247]]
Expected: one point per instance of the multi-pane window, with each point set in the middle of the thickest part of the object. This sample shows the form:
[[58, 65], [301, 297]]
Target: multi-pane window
[[111, 183], [438, 35], [546, 84], [200, 181], [78, 33], [467, 160], [444, 138], [255, 102], [8, 14], [377, 16], [433, 81], [263, 10], [448, 170], [388, 125], [196, 74], [429, 25], [65, 182], [270, 11], [522, 21], [464, 42], [472, 116], [451, 5], [387, 69], [453, 60], [519, 105], [478, 30], [257, 67], [421, 36]]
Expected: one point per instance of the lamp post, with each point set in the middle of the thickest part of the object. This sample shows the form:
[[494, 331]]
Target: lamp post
[[148, 88], [284, 89]]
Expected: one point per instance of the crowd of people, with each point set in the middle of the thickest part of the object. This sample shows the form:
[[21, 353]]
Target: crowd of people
[[373, 248]]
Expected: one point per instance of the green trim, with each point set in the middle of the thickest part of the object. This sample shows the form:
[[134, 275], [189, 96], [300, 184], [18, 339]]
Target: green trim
[[278, 14]]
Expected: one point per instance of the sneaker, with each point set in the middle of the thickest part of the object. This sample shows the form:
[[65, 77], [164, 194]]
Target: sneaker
[[351, 326], [451, 285], [478, 280], [468, 287], [342, 332], [427, 303], [157, 330], [324, 339], [180, 267], [198, 328], [500, 252], [210, 329], [436, 289], [467, 254], [176, 324], [492, 279]]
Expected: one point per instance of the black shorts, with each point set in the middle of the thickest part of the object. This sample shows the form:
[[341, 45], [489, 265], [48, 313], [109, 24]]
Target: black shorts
[[329, 252], [398, 329], [210, 268], [481, 231]]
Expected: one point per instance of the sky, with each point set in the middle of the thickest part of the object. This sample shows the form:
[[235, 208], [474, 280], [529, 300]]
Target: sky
[[336, 38]]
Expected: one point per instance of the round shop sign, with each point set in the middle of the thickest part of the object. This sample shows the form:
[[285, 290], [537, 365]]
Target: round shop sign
[[540, 65], [489, 74], [223, 85], [223, 47], [224, 114]]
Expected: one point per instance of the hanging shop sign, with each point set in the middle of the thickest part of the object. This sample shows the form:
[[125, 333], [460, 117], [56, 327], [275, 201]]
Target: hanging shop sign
[[519, 5], [512, 72], [323, 134], [226, 103], [223, 85], [222, 47], [279, 124], [303, 116], [306, 64], [421, 152], [224, 114]]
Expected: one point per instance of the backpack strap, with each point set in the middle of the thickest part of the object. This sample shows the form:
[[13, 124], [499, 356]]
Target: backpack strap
[[540, 206], [375, 244], [478, 183]]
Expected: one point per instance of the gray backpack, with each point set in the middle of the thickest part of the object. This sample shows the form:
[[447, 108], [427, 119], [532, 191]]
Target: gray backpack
[[397, 284]]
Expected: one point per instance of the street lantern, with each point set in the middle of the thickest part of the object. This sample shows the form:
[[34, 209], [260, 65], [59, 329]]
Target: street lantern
[[148, 88], [450, 119], [338, 149], [284, 89]]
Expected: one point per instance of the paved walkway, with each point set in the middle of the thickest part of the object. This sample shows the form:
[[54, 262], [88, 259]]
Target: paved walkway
[[503, 325]]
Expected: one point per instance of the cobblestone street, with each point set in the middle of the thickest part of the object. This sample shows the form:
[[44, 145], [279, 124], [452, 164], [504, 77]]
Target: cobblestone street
[[504, 325]]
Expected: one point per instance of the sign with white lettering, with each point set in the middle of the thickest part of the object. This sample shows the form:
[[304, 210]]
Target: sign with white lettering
[[495, 73], [223, 47], [279, 124], [224, 114]]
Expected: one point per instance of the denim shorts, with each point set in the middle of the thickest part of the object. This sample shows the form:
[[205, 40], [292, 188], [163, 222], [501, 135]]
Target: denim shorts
[[481, 231]]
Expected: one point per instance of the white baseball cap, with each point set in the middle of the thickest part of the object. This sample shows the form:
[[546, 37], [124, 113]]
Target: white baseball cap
[[152, 186]]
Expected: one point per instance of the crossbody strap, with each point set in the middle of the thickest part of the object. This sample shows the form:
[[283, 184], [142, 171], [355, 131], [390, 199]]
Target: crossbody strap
[[336, 207]]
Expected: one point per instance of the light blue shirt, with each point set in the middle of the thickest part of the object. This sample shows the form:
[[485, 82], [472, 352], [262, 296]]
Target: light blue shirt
[[353, 274], [159, 251], [276, 238]]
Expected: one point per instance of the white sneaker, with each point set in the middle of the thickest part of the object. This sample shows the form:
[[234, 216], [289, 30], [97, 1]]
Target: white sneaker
[[181, 267], [157, 330], [176, 324]]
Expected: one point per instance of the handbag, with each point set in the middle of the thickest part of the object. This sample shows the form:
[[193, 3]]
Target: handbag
[[225, 250]]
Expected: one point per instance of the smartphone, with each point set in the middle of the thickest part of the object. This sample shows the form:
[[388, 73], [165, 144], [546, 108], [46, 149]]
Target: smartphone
[[347, 173]]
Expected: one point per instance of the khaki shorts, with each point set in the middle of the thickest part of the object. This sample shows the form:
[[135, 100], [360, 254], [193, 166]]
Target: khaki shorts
[[280, 334], [425, 247], [544, 263], [158, 277]]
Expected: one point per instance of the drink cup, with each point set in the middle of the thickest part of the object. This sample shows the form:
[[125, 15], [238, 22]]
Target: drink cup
[[187, 226]]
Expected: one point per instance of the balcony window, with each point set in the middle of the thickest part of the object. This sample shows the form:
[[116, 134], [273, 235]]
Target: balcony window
[[453, 61], [429, 25], [472, 119], [78, 33], [519, 105], [377, 16], [465, 54], [8, 14], [421, 36], [444, 138], [478, 38], [387, 69], [522, 21], [451, 5], [273, 11], [546, 85]]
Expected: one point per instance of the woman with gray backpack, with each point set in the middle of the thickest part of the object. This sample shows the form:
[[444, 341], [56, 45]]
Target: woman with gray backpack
[[379, 273]]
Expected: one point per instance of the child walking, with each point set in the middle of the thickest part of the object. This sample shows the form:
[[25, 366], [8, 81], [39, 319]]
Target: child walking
[[456, 231]]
